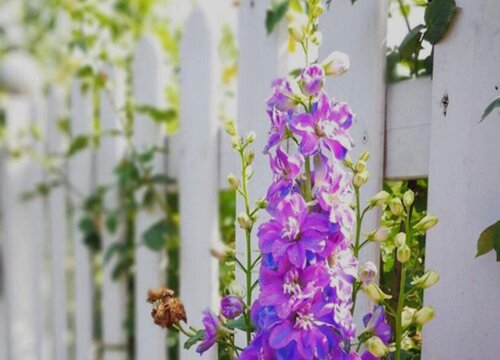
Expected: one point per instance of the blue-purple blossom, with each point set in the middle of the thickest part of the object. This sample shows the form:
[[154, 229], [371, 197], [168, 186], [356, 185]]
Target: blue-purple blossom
[[377, 324], [232, 306], [282, 97], [211, 325], [312, 80]]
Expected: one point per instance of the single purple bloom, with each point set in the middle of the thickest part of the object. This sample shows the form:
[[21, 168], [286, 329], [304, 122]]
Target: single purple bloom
[[277, 133], [211, 325], [294, 231], [312, 80], [232, 306], [324, 128], [376, 323], [282, 97]]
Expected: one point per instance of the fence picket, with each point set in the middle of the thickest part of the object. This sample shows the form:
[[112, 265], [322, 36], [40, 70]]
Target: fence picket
[[148, 88], [198, 181], [81, 177]]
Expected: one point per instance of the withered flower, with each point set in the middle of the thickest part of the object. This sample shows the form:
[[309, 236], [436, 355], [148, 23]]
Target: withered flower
[[168, 310]]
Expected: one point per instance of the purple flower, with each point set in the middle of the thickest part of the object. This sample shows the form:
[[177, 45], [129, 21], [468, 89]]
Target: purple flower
[[232, 306], [324, 128], [294, 231], [312, 80], [279, 123], [376, 323], [282, 97], [211, 325]]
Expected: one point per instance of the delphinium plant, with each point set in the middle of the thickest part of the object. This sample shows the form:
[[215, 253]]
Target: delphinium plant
[[309, 278]]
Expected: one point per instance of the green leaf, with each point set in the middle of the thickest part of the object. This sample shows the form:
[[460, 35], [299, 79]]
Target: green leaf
[[156, 114], [154, 237], [78, 144], [112, 222], [489, 240], [438, 16], [193, 340], [275, 13], [238, 323], [411, 44], [492, 106]]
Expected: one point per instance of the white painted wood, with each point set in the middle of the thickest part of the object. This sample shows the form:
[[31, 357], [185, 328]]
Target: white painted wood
[[359, 30], [81, 175], [408, 118], [148, 89], [463, 188], [108, 155], [21, 235], [198, 181], [58, 231]]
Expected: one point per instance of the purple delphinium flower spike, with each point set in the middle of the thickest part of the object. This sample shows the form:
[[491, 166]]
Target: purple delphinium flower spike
[[211, 325], [232, 306], [312, 80]]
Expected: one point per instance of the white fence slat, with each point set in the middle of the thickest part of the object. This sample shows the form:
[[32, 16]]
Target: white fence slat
[[21, 234], [148, 88], [408, 118], [359, 30], [81, 175], [463, 187], [114, 294], [57, 233], [198, 181]]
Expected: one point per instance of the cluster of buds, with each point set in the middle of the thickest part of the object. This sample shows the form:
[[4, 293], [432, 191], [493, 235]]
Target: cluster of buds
[[168, 310], [359, 169]]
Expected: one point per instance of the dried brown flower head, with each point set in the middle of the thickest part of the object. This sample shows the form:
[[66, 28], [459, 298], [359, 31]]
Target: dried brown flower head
[[168, 310]]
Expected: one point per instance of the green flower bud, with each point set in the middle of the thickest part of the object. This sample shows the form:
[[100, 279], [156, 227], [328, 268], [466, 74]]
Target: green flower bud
[[361, 178], [244, 221], [407, 316], [249, 157], [235, 142], [425, 281], [400, 239], [379, 199], [296, 33], [380, 234], [360, 166], [365, 156], [376, 347], [348, 162], [408, 198], [367, 272], [336, 64], [251, 136], [233, 181], [261, 203], [231, 128], [316, 38], [403, 254], [375, 293], [396, 207], [427, 222], [318, 10], [424, 315]]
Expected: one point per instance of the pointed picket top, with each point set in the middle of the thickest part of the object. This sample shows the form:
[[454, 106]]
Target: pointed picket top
[[198, 178], [148, 90]]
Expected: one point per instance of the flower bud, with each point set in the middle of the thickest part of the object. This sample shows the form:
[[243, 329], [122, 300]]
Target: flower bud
[[424, 315], [233, 181], [336, 64], [296, 33], [375, 293], [365, 155], [360, 166], [407, 316], [379, 199], [249, 157], [408, 198], [261, 203], [317, 38], [361, 178], [348, 162], [400, 239], [251, 136], [376, 347], [367, 272], [425, 281], [244, 221], [427, 222], [403, 254], [237, 289], [232, 306], [318, 10], [380, 234], [235, 142], [231, 127], [396, 207], [312, 80]]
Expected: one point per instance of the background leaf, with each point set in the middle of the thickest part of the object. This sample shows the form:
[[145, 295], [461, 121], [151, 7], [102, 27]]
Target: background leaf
[[275, 13], [191, 341], [78, 144], [489, 240], [438, 16], [154, 237], [492, 106]]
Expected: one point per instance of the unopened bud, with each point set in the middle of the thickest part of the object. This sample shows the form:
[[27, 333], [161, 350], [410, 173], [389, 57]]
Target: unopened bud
[[427, 222], [316, 38], [407, 316], [379, 199], [251, 137], [318, 10], [376, 347], [403, 254], [249, 157], [237, 288], [261, 203], [360, 165], [425, 281], [336, 64], [365, 155], [235, 142], [380, 234], [396, 207], [361, 178], [348, 162], [408, 198], [375, 293], [424, 315], [367, 272], [231, 128], [244, 221], [233, 181], [296, 33], [400, 239]]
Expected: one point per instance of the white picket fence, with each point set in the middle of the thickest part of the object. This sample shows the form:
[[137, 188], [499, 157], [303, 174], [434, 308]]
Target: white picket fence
[[406, 127]]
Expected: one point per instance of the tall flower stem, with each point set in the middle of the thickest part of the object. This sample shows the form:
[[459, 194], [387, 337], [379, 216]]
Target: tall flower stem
[[308, 192], [399, 310]]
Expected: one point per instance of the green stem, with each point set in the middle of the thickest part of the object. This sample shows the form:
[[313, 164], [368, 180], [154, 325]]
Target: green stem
[[308, 192], [405, 16]]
